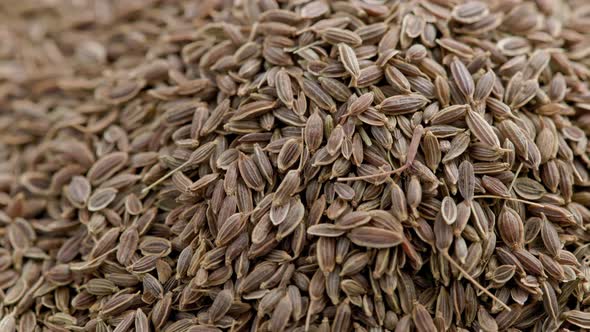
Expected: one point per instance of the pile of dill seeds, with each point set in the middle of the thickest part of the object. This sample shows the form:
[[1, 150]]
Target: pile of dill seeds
[[294, 165]]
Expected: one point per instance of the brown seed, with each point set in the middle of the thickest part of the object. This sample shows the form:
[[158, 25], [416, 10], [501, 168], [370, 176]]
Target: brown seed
[[326, 254], [511, 227], [449, 114], [462, 78], [314, 131], [422, 319], [361, 104], [349, 60], [338, 90], [458, 146], [299, 165], [250, 173], [221, 304], [141, 321], [481, 129], [336, 36], [281, 314], [373, 237], [106, 167], [353, 220], [397, 79], [402, 104], [78, 191], [284, 89], [466, 180], [101, 198], [315, 92], [470, 13], [342, 317], [550, 238], [289, 154]]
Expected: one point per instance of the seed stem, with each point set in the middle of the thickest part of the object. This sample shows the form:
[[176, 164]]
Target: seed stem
[[169, 174], [412, 151], [515, 177], [370, 176], [473, 281], [303, 48], [510, 199]]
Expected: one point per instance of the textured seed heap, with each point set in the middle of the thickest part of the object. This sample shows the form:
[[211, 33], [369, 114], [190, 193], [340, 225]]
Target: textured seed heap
[[294, 165]]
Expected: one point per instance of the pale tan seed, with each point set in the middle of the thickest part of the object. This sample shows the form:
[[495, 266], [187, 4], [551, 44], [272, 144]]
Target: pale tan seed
[[335, 140], [161, 311], [133, 205], [448, 210], [484, 86], [578, 318], [470, 12], [314, 9], [151, 245], [486, 321], [494, 186]]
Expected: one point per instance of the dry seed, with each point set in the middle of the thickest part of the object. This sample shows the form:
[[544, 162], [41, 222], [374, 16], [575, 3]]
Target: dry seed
[[318, 95], [293, 100], [372, 237], [106, 167], [403, 104], [349, 60], [341, 36]]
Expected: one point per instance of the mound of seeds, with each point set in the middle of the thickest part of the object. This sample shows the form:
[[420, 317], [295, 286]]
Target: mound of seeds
[[294, 165]]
